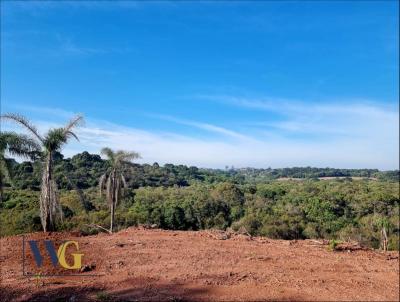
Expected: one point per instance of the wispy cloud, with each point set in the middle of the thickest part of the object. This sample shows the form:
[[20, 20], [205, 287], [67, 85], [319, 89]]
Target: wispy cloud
[[352, 135], [38, 7], [50, 112], [203, 126], [355, 118], [66, 45], [278, 152], [57, 45]]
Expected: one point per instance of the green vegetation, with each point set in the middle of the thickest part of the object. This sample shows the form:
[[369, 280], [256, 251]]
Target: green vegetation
[[103, 296], [364, 209], [257, 175], [188, 198], [85, 169], [333, 244]]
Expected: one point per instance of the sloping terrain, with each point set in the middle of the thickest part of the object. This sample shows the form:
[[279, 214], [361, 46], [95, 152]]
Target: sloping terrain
[[152, 265]]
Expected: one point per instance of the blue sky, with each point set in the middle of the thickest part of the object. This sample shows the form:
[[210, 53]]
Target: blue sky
[[211, 83]]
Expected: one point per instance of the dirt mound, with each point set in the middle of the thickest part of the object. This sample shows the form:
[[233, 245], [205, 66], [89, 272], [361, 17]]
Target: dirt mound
[[146, 264]]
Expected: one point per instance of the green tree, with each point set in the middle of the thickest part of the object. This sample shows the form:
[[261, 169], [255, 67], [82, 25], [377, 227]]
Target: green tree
[[232, 196], [113, 181], [50, 143]]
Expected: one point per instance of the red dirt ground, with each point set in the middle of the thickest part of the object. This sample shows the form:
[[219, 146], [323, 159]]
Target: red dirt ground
[[153, 265]]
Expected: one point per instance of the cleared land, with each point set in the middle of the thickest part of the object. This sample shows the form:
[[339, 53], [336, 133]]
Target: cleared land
[[152, 265]]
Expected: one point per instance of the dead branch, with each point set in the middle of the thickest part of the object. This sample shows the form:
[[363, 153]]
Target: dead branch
[[96, 226]]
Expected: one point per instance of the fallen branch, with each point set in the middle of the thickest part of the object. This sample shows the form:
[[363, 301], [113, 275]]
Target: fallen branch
[[323, 242], [96, 226]]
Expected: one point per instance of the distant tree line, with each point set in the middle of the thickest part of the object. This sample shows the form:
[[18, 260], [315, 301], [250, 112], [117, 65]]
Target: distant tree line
[[84, 170], [256, 175]]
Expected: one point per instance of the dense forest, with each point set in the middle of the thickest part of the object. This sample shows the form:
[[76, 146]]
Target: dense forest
[[289, 203], [83, 171]]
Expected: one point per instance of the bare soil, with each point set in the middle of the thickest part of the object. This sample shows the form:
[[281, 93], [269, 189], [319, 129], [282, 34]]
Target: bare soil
[[157, 265]]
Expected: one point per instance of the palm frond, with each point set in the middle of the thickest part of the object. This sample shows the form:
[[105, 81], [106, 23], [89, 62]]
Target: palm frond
[[125, 156], [19, 119], [76, 121], [108, 153], [54, 139], [19, 145], [68, 134]]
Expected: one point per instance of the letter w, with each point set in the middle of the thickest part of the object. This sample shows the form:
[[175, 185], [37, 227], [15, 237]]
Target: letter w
[[38, 257]]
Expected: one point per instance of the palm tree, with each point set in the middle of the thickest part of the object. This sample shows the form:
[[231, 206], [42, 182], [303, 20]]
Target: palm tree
[[113, 181], [15, 145], [49, 143]]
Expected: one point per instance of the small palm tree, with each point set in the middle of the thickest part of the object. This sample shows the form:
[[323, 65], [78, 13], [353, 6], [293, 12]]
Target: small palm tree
[[113, 181], [50, 143], [15, 145]]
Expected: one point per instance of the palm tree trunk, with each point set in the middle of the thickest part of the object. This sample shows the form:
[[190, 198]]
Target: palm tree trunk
[[113, 190], [384, 239], [48, 196], [1, 187], [112, 218], [3, 173]]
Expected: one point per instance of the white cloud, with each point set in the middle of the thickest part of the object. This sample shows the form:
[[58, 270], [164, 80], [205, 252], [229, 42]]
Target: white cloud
[[165, 148], [356, 118], [355, 135]]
